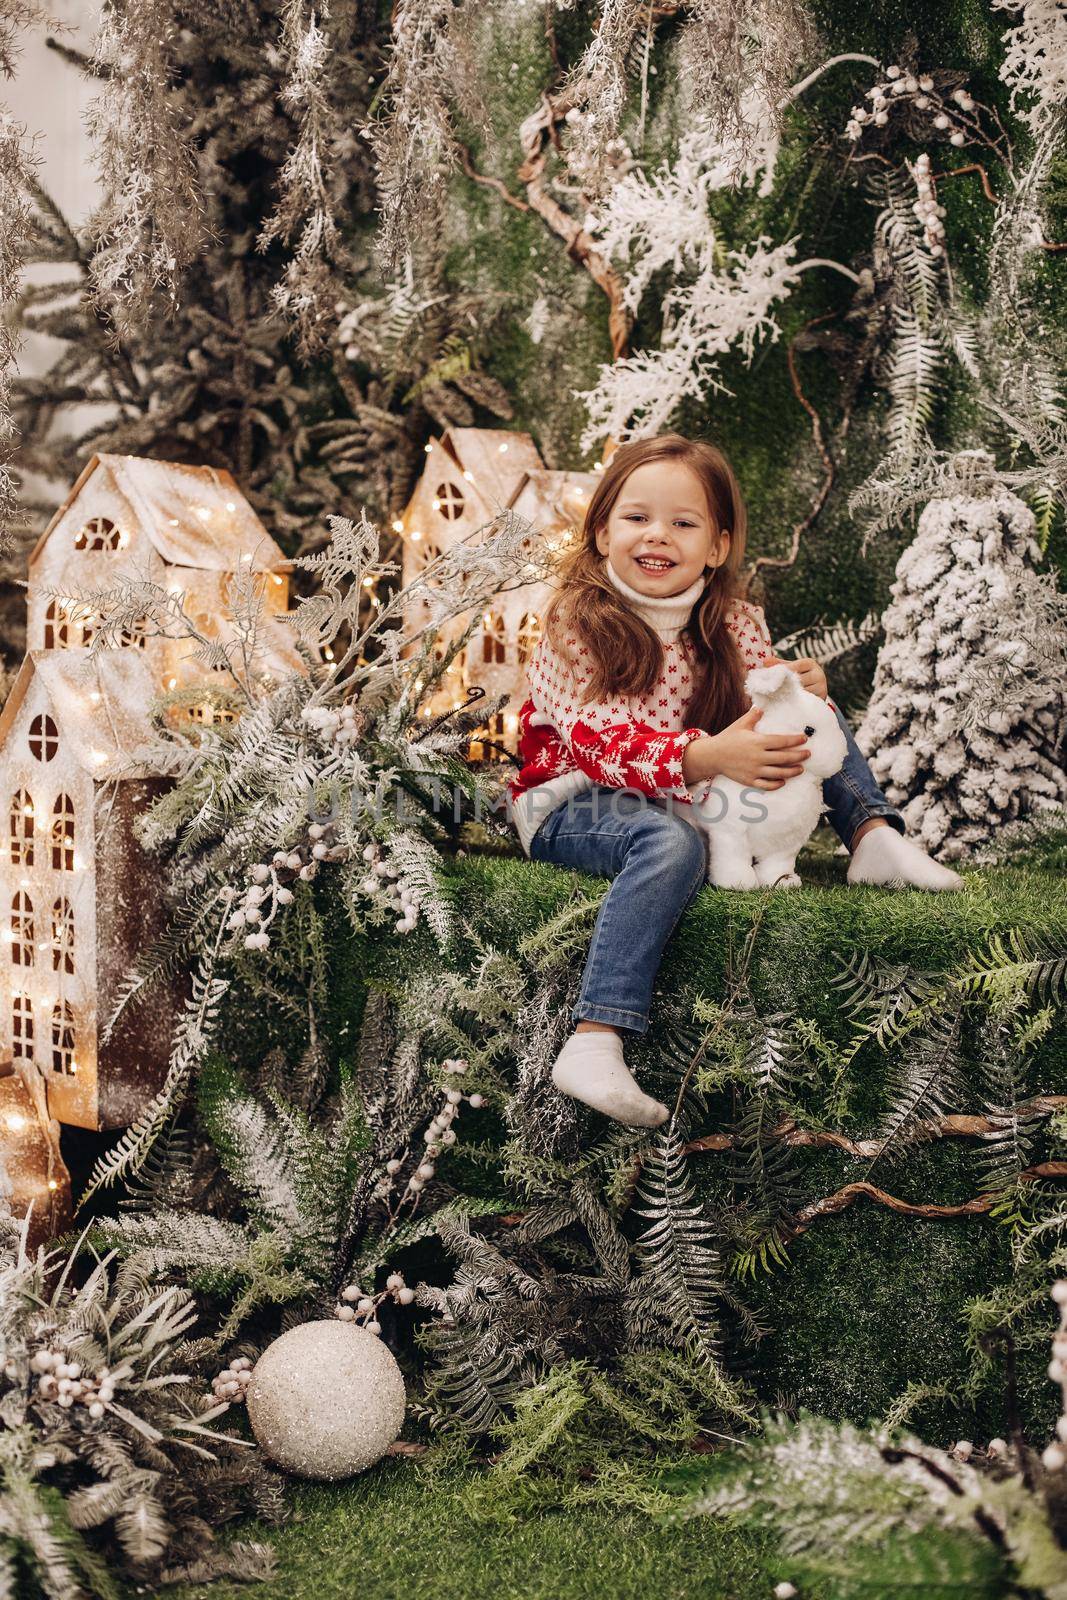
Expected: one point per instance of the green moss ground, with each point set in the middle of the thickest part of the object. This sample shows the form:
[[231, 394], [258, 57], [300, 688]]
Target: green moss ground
[[397, 1536]]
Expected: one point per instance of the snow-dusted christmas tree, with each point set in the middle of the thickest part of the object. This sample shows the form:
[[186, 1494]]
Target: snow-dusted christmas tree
[[962, 597]]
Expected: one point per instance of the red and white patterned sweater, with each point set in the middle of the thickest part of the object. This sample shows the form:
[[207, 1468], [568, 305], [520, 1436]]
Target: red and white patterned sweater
[[634, 743]]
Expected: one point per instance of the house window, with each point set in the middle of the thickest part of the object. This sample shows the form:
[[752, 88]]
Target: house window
[[44, 737], [21, 829], [99, 533], [529, 636], [63, 1039], [56, 626], [22, 1027], [479, 748], [63, 834], [65, 628], [448, 500], [494, 639], [21, 930], [62, 936], [137, 636]]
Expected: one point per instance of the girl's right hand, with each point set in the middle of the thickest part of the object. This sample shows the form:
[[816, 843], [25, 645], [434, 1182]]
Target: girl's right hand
[[756, 760]]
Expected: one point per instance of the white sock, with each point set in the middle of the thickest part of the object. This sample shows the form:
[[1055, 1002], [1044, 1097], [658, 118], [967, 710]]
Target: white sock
[[590, 1068], [887, 857]]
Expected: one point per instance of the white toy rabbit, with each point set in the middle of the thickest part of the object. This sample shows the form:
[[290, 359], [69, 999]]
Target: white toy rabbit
[[755, 835]]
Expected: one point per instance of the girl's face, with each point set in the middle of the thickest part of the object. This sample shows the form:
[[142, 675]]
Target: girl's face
[[660, 535]]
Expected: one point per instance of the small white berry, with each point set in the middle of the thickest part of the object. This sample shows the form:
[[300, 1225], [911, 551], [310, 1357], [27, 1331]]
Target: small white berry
[[997, 1449], [365, 1303], [373, 1327], [405, 1296], [957, 138], [963, 1448], [393, 1165], [345, 1313], [425, 1171], [892, 72], [96, 1410], [351, 1291], [395, 1280], [476, 1100], [1053, 1458], [784, 1591]]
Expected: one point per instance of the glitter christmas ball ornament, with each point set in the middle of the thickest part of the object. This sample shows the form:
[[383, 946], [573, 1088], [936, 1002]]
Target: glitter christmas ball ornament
[[326, 1400]]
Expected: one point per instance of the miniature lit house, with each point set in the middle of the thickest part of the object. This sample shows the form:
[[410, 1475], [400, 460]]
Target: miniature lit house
[[471, 475], [187, 528], [79, 898]]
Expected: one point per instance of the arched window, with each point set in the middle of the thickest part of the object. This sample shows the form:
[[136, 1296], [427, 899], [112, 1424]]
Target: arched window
[[62, 935], [21, 829], [21, 930], [137, 636], [427, 551], [44, 737], [529, 636], [63, 1039], [479, 748], [494, 639], [22, 1027], [67, 627], [63, 834], [56, 626], [99, 533], [448, 501]]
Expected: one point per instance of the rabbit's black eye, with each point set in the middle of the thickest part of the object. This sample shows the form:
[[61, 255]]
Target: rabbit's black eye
[[808, 732]]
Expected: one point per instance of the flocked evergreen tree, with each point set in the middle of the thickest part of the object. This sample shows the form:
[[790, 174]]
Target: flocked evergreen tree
[[960, 595]]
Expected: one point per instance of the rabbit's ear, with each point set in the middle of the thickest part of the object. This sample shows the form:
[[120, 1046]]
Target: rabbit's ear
[[768, 683]]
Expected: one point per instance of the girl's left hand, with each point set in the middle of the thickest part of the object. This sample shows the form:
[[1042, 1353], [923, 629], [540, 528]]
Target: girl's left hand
[[811, 675]]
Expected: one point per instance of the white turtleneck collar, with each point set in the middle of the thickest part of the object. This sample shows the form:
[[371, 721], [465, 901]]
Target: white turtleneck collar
[[666, 613]]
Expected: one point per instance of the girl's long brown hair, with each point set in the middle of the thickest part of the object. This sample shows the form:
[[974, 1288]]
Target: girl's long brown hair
[[627, 654]]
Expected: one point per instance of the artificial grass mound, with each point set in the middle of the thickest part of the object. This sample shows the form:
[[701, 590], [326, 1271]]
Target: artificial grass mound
[[867, 1303], [393, 1533]]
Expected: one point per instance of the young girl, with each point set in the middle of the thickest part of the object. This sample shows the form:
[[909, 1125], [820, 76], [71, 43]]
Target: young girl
[[637, 694]]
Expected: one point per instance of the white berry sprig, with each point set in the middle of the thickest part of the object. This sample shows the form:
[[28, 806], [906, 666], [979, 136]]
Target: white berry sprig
[[951, 114], [926, 207], [385, 883], [67, 1384], [231, 1384], [440, 1135], [355, 1305], [271, 887]]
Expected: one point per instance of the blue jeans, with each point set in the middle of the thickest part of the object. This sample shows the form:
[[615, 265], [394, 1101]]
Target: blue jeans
[[658, 861]]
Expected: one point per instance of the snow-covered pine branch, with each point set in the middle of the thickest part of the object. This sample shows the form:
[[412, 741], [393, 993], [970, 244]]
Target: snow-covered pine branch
[[1035, 62]]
